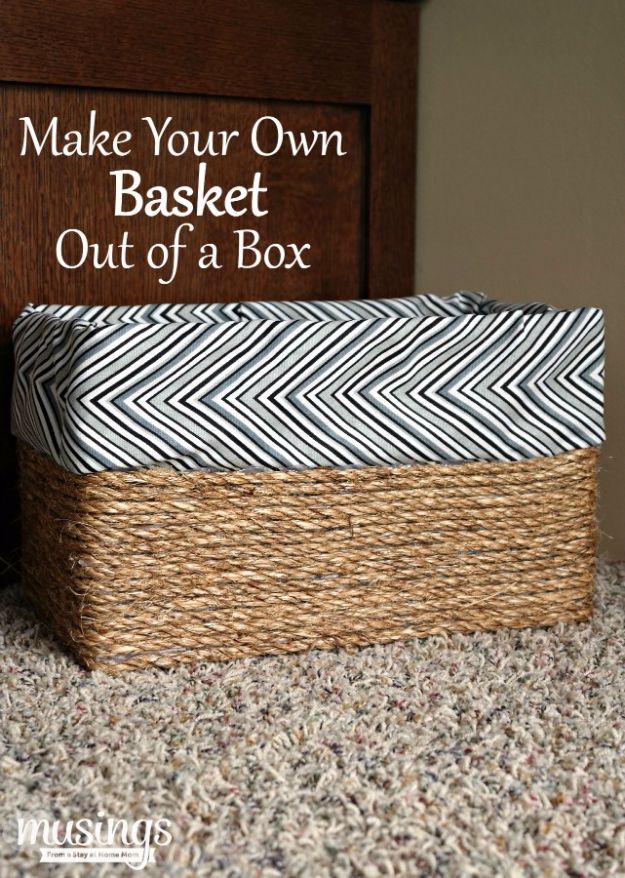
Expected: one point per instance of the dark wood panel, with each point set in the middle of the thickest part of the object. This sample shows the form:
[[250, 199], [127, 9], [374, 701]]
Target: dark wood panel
[[315, 50], [393, 155]]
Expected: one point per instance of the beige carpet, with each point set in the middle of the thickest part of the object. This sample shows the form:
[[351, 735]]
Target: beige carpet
[[493, 755]]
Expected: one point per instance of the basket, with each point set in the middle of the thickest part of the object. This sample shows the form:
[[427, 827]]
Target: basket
[[151, 539]]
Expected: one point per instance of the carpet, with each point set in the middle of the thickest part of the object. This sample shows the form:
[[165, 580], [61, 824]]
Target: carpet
[[498, 754]]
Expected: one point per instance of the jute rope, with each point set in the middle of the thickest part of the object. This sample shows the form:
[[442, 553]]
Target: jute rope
[[157, 567]]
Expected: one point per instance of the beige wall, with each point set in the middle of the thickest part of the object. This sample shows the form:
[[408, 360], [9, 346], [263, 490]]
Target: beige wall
[[521, 189]]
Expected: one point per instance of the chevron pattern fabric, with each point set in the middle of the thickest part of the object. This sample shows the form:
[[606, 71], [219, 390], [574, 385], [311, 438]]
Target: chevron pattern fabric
[[296, 385]]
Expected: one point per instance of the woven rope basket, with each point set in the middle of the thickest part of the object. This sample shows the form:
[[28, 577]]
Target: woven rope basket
[[158, 567], [136, 556]]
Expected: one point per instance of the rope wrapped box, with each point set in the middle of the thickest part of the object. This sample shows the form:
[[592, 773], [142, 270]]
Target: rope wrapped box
[[159, 565]]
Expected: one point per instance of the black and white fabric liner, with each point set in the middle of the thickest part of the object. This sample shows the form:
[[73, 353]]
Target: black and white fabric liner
[[296, 385]]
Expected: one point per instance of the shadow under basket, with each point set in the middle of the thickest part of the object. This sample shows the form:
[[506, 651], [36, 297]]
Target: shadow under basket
[[157, 567]]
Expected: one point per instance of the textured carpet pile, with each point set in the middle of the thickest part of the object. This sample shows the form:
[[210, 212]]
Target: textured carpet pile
[[499, 754]]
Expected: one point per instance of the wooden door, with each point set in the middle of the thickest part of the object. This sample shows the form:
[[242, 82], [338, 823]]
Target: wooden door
[[338, 67]]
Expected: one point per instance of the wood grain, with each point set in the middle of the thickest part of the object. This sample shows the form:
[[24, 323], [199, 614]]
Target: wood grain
[[304, 50], [392, 159]]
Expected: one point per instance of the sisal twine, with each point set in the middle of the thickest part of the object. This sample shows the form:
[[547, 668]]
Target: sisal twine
[[154, 566]]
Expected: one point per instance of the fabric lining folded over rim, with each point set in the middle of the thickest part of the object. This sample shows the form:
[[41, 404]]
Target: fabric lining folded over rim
[[297, 385]]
